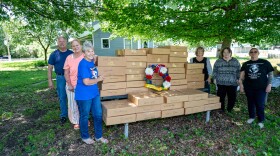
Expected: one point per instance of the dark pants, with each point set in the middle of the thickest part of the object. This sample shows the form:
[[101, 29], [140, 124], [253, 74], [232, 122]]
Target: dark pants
[[230, 92], [256, 102], [206, 87]]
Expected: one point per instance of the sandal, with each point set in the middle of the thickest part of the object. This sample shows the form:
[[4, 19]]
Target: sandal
[[76, 127], [88, 141], [103, 140]]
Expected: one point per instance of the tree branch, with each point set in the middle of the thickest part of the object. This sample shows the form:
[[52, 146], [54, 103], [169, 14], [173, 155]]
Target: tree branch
[[43, 13], [39, 40]]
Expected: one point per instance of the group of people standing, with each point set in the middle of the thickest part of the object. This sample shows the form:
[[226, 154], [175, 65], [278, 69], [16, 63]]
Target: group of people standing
[[253, 77], [77, 77], [76, 80]]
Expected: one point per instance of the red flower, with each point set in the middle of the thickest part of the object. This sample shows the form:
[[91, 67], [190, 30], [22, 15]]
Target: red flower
[[156, 69], [149, 77], [168, 78]]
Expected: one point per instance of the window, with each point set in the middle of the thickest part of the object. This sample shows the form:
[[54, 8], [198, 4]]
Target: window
[[127, 44], [105, 43]]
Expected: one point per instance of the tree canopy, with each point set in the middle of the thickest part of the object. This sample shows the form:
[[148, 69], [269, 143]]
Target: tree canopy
[[43, 21], [211, 21], [71, 12]]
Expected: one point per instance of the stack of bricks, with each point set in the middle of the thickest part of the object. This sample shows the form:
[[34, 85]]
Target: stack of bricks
[[173, 103], [125, 74], [147, 105], [196, 102], [194, 75], [113, 69], [213, 103], [151, 105], [118, 111], [157, 56], [177, 58], [136, 61]]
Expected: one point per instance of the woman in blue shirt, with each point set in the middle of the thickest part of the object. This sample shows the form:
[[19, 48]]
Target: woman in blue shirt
[[87, 95]]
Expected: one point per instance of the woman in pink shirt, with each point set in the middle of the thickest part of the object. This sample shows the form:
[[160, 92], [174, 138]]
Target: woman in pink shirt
[[70, 73]]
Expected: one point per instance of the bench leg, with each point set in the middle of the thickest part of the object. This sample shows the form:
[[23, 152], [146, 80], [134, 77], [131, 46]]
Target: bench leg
[[126, 130], [207, 116]]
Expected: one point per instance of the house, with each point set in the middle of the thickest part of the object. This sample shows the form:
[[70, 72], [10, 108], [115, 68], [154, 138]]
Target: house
[[105, 45]]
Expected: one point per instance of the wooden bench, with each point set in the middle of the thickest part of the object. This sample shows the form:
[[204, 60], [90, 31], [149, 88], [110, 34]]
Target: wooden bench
[[126, 125]]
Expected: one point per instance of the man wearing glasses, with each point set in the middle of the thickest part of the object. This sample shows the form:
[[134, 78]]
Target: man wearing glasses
[[255, 79]]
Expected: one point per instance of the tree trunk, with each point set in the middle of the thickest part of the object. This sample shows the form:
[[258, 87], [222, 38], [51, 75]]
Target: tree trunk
[[45, 54], [226, 43]]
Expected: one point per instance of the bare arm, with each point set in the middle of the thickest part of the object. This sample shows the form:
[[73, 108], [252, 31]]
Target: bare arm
[[209, 69], [270, 77], [89, 82], [67, 78], [268, 87], [50, 69], [191, 60], [214, 73], [241, 79]]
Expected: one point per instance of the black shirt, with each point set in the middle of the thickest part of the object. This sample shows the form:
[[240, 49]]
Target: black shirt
[[204, 61], [256, 73]]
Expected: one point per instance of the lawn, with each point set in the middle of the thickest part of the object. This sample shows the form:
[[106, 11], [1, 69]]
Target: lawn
[[29, 125]]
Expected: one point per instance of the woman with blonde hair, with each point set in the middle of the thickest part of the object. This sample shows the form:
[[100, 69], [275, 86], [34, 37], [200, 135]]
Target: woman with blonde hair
[[207, 70], [70, 74]]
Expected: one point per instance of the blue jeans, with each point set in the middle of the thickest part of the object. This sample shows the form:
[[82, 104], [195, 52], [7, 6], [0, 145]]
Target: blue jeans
[[85, 106], [60, 87], [256, 102]]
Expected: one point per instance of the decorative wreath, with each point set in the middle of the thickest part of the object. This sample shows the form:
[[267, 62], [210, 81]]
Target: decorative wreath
[[162, 71]]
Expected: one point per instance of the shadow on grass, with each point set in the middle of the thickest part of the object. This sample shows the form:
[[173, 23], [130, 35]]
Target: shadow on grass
[[31, 127]]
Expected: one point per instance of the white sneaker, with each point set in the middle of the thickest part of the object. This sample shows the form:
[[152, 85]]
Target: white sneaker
[[103, 140], [261, 125], [251, 120], [88, 141]]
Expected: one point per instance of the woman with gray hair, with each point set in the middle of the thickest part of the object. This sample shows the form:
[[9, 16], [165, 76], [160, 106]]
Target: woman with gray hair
[[87, 95], [255, 79]]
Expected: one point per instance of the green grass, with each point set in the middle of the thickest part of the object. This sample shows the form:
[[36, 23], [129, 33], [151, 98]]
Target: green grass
[[29, 125], [27, 65], [17, 65]]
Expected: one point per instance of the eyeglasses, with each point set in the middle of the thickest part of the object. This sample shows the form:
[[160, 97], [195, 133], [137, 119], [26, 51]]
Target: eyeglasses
[[251, 52]]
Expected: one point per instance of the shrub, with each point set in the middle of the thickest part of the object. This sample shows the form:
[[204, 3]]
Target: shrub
[[40, 64], [276, 71]]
